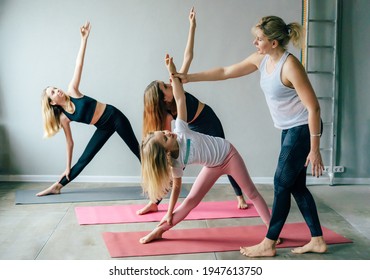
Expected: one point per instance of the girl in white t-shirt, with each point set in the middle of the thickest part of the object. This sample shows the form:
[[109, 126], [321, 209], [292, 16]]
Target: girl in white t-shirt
[[165, 154]]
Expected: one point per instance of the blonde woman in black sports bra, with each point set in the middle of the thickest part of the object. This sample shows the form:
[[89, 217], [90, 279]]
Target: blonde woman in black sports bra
[[59, 108]]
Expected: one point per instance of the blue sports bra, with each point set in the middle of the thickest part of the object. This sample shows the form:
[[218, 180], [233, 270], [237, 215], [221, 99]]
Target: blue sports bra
[[84, 109]]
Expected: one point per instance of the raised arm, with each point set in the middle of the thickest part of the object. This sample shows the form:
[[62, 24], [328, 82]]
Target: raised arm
[[178, 90], [73, 86], [189, 49]]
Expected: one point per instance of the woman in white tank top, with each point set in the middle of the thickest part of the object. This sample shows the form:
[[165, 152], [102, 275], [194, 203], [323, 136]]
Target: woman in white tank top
[[295, 110]]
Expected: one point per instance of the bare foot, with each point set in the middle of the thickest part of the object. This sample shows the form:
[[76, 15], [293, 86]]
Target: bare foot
[[265, 249], [54, 189], [241, 202], [316, 245], [150, 207], [154, 235]]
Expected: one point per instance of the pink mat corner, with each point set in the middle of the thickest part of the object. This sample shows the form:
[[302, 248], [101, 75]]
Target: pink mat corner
[[185, 241], [89, 215]]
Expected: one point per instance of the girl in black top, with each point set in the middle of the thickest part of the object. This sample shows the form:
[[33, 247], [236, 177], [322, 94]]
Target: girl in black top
[[59, 108], [160, 110]]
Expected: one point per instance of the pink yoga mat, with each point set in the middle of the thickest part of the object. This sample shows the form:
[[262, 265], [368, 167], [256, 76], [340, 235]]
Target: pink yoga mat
[[201, 240], [127, 213]]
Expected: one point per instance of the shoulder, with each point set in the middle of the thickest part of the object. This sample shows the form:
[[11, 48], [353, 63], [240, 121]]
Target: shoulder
[[64, 120], [255, 58], [180, 125], [293, 66], [293, 63], [293, 70], [74, 92]]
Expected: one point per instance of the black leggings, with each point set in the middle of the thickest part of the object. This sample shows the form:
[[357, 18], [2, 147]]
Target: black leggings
[[208, 123], [290, 179], [112, 120]]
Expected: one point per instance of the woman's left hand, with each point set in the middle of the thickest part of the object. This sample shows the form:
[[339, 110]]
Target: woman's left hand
[[166, 219], [317, 166], [85, 30]]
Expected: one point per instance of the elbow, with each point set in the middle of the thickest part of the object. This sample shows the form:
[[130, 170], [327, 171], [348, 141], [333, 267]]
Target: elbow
[[224, 74], [70, 143], [314, 110]]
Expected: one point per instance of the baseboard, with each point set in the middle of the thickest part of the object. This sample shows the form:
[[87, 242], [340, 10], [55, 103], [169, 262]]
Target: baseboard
[[187, 180]]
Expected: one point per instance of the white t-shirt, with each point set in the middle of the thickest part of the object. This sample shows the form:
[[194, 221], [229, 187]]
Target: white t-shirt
[[204, 149]]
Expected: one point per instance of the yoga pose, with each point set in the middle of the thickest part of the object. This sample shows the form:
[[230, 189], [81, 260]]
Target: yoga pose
[[59, 108], [160, 109], [165, 154], [295, 110]]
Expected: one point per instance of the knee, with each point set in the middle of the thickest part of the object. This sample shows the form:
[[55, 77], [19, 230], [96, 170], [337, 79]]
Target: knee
[[253, 194]]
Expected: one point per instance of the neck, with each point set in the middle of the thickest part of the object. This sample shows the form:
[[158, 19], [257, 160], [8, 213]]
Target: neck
[[175, 151], [276, 55], [67, 105]]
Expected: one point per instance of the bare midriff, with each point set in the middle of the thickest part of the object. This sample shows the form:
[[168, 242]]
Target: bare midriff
[[99, 110]]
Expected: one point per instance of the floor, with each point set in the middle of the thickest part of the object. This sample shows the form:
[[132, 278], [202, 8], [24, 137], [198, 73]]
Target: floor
[[51, 231]]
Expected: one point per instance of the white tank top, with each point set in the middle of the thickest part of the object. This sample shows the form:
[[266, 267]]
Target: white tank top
[[285, 106]]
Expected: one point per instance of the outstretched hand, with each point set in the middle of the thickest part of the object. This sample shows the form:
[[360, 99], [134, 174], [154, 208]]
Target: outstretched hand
[[169, 64], [182, 76], [192, 20], [85, 30]]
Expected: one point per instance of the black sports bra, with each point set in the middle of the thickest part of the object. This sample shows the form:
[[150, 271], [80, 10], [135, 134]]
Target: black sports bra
[[84, 109], [191, 106]]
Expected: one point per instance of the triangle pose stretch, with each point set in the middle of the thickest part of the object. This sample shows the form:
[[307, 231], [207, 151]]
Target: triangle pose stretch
[[293, 106], [165, 154], [296, 111], [59, 108], [160, 109]]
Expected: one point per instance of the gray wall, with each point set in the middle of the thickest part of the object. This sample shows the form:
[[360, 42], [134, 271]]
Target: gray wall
[[39, 43], [354, 144]]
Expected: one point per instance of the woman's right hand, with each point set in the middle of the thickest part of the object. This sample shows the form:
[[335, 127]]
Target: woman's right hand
[[169, 64], [65, 173], [192, 20], [182, 76]]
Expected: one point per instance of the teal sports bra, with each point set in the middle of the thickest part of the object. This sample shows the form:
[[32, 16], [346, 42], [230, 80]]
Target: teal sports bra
[[84, 109]]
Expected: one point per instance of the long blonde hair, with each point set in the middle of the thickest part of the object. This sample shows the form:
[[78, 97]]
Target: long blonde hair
[[274, 28], [155, 168], [155, 109], [51, 115]]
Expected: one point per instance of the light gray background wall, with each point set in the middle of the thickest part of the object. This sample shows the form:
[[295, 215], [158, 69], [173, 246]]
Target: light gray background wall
[[39, 43]]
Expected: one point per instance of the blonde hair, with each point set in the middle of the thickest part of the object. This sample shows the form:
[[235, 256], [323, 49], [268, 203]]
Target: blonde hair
[[155, 168], [50, 115], [274, 28], [155, 109]]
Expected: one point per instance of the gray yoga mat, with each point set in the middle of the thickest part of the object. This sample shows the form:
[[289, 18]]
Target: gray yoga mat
[[84, 195]]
